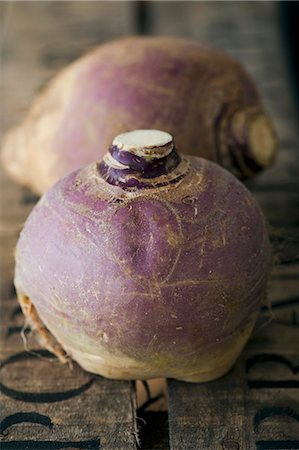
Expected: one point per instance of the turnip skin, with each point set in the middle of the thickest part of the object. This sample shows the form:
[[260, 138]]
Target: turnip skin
[[163, 283], [200, 95]]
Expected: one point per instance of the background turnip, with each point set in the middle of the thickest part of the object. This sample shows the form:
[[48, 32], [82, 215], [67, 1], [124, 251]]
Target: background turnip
[[140, 276], [200, 95]]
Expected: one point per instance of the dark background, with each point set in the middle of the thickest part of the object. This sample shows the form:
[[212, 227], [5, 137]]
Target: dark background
[[289, 13]]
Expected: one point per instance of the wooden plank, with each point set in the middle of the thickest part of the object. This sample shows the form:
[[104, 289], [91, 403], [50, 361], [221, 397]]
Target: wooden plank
[[39, 38], [46, 405], [256, 406], [45, 401]]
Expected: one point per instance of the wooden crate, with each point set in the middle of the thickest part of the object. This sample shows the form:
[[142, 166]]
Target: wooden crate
[[49, 406]]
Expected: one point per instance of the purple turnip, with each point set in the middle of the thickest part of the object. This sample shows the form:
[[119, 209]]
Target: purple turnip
[[146, 264], [201, 96]]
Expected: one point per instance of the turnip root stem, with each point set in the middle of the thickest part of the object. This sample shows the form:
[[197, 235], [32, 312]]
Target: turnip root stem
[[43, 335], [142, 159], [253, 141], [263, 141], [151, 143]]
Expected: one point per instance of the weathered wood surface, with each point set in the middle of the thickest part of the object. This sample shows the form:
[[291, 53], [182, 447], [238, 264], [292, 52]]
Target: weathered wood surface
[[47, 405], [256, 403], [256, 406]]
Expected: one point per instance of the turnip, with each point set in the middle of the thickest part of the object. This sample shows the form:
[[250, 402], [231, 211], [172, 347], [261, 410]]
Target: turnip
[[200, 95], [147, 264]]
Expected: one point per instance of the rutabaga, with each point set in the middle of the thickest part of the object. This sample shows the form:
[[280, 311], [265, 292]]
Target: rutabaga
[[147, 264]]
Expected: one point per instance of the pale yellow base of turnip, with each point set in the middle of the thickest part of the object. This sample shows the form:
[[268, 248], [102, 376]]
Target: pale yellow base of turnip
[[209, 366]]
